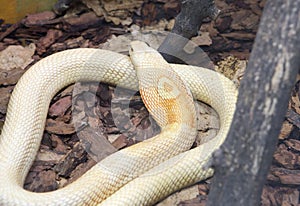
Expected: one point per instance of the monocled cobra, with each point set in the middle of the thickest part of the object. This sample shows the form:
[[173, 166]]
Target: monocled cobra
[[138, 175]]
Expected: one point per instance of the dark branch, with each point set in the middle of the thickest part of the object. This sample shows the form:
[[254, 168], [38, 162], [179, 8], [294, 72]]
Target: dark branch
[[187, 25], [192, 13], [242, 164]]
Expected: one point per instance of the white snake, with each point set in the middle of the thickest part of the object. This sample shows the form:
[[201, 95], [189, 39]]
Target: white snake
[[145, 172]]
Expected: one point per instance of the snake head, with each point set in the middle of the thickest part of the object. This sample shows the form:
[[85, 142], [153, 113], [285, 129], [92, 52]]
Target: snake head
[[139, 46], [140, 52]]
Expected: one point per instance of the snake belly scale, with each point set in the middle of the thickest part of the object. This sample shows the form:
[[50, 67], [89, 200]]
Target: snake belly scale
[[138, 175]]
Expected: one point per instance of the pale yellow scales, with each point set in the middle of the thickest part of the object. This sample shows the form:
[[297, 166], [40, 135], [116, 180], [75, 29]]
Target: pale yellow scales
[[145, 172]]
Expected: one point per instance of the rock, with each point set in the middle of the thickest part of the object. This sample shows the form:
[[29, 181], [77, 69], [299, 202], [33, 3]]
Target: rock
[[16, 57]]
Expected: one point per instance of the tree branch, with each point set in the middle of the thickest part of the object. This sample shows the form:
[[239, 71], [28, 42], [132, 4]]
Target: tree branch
[[242, 163], [187, 25]]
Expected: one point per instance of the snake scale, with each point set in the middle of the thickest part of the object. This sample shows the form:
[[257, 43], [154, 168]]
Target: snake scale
[[138, 175]]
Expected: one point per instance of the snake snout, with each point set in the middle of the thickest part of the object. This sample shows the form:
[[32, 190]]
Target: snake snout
[[139, 46]]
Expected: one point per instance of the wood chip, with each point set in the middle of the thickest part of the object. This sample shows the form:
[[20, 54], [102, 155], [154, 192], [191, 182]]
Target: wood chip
[[60, 107], [59, 127]]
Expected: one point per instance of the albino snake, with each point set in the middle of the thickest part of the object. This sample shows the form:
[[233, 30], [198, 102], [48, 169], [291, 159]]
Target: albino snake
[[145, 172]]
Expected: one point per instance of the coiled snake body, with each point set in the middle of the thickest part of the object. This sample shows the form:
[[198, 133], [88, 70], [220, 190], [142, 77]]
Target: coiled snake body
[[145, 172]]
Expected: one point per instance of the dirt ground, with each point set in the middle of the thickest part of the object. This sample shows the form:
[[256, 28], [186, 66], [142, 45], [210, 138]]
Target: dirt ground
[[88, 121]]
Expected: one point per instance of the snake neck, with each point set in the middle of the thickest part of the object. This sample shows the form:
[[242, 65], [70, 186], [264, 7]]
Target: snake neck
[[165, 95]]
